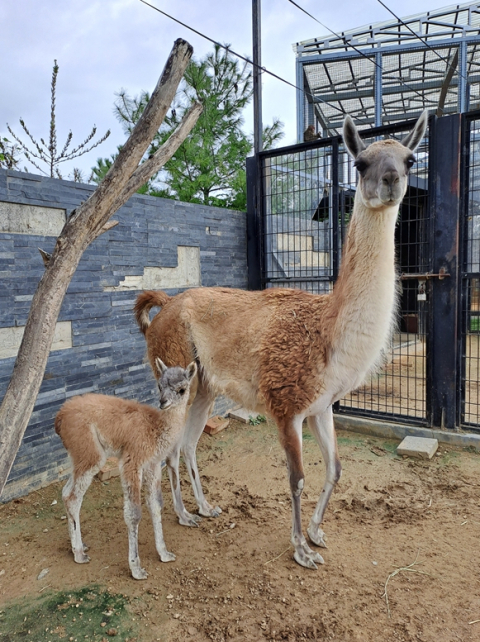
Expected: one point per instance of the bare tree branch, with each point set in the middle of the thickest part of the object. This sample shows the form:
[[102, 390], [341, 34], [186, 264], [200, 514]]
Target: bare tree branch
[[164, 153], [87, 223]]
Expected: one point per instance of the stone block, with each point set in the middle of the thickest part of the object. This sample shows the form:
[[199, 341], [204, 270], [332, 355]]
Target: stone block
[[419, 447], [243, 415], [215, 424]]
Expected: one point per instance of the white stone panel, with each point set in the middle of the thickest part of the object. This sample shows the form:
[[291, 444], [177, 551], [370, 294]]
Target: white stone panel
[[297, 251], [185, 275], [11, 338], [16, 218]]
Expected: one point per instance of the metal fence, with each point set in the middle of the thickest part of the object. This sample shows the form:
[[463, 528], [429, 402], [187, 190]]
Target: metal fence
[[300, 201], [470, 278]]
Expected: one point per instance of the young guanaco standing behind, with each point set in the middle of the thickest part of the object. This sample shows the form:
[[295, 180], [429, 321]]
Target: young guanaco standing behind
[[94, 427]]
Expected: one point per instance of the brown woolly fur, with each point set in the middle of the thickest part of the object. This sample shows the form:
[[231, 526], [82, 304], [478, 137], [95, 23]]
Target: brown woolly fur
[[92, 427], [294, 351], [134, 429], [289, 353]]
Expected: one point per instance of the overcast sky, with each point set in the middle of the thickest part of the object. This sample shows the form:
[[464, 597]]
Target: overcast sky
[[102, 46]]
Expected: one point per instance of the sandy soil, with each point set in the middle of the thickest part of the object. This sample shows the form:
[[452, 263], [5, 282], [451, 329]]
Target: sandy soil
[[415, 522]]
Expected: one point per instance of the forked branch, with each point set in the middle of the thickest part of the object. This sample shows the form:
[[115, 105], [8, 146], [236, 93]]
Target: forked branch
[[87, 222]]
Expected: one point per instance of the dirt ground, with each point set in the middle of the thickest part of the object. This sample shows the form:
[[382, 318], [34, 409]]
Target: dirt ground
[[415, 523]]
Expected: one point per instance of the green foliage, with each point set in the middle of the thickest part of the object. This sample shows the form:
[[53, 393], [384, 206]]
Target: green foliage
[[48, 152], [258, 419], [76, 614], [8, 154], [474, 324], [209, 167]]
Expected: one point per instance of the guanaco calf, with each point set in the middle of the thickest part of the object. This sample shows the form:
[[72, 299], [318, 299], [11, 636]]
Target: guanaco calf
[[94, 427]]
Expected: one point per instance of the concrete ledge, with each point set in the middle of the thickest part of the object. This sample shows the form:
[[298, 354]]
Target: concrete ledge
[[400, 431]]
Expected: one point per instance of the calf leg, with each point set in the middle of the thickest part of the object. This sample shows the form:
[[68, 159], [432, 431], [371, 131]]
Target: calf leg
[[323, 430], [155, 505], [132, 511], [72, 495], [290, 430]]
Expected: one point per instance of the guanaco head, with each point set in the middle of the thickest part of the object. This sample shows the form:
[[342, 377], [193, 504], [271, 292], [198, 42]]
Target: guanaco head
[[174, 383], [383, 166]]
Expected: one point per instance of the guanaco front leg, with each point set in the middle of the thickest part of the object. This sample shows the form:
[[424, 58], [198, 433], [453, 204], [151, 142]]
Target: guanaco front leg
[[132, 512], [291, 439], [323, 429]]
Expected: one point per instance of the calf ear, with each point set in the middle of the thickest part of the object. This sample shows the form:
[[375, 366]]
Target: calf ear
[[191, 370], [161, 367], [351, 138]]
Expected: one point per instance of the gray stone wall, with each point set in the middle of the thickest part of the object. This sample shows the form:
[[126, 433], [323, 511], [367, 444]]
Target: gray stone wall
[[158, 242]]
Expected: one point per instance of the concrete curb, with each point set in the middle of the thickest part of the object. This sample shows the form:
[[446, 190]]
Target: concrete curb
[[400, 431]]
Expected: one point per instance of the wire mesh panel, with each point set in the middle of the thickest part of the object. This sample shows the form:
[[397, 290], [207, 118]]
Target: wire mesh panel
[[297, 223], [470, 407], [399, 388], [308, 195]]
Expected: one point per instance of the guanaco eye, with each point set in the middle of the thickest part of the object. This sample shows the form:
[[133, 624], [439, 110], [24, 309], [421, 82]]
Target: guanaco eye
[[181, 391], [411, 161], [360, 165]]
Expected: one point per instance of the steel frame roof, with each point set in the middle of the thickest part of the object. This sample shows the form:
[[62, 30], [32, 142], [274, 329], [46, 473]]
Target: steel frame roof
[[391, 71]]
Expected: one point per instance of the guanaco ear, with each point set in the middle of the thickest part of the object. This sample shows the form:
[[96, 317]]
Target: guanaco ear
[[414, 138], [191, 370], [351, 138], [161, 367]]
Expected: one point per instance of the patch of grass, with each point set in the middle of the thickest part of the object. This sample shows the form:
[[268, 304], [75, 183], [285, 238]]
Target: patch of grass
[[76, 615], [447, 456], [258, 419]]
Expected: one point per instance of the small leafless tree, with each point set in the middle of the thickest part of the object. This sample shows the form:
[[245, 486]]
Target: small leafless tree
[[83, 226], [48, 153]]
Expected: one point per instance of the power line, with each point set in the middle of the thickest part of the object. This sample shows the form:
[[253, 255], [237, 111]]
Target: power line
[[247, 60]]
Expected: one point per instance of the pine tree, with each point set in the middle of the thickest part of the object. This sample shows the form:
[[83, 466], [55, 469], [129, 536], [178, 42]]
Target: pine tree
[[209, 167]]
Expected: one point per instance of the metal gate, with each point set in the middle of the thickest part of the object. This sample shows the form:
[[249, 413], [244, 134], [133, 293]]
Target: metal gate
[[470, 277], [300, 202]]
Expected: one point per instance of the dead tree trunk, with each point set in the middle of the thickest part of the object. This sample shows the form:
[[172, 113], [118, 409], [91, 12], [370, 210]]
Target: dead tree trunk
[[85, 224]]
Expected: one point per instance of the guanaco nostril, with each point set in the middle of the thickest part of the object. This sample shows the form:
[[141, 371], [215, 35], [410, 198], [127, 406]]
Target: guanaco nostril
[[390, 179]]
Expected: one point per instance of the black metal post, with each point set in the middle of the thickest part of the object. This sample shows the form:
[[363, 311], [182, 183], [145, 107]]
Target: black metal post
[[253, 226], [257, 77], [442, 346], [335, 210]]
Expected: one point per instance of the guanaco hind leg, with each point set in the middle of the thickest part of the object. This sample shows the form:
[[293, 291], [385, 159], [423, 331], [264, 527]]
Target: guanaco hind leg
[[173, 463], [197, 417], [155, 504], [72, 494], [196, 420]]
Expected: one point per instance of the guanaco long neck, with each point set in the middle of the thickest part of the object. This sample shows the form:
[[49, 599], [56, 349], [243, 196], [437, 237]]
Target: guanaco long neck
[[364, 297]]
